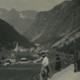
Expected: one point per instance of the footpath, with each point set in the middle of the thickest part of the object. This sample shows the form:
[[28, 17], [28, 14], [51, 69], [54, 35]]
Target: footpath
[[67, 74]]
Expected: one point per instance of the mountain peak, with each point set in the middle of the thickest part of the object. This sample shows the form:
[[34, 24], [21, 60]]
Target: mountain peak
[[13, 11]]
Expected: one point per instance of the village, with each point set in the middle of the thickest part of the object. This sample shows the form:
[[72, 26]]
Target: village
[[11, 57], [19, 55]]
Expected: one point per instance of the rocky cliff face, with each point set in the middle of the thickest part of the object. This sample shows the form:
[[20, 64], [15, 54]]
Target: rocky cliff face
[[51, 26]]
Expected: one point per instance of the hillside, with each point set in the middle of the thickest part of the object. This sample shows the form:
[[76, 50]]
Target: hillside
[[8, 35], [70, 43], [21, 21], [51, 26]]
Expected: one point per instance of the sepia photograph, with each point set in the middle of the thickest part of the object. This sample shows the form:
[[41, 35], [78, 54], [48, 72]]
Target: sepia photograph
[[39, 39]]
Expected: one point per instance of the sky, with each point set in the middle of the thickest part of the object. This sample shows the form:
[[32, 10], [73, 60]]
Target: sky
[[39, 5]]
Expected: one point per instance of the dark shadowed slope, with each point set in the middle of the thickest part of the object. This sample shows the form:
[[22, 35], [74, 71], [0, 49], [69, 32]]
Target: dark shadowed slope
[[8, 35]]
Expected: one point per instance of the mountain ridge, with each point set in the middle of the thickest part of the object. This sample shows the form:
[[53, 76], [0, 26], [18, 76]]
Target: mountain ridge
[[55, 24]]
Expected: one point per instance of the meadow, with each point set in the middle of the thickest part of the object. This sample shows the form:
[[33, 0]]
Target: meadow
[[21, 72], [28, 71]]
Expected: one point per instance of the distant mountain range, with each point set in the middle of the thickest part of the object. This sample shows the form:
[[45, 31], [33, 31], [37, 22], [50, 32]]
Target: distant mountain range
[[51, 26], [21, 21], [8, 35]]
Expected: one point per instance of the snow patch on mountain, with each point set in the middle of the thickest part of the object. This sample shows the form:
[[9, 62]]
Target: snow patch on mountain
[[21, 16]]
